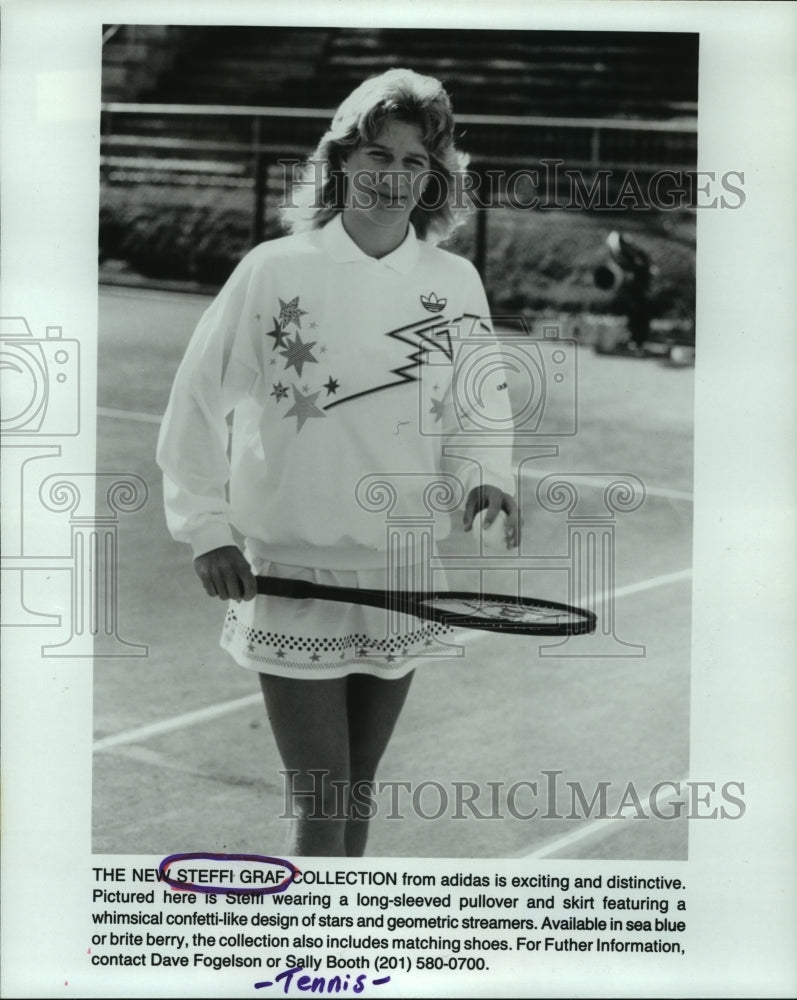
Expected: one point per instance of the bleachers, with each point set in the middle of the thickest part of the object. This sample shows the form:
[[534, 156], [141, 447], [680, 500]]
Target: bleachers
[[545, 75], [246, 66], [535, 73], [579, 74]]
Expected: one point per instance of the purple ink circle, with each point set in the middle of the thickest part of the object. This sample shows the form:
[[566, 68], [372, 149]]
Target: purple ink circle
[[254, 890]]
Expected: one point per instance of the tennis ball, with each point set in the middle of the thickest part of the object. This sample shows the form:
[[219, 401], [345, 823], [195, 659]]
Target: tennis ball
[[493, 537]]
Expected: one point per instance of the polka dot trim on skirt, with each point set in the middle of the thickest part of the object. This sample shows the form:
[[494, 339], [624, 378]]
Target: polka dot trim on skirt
[[325, 656], [320, 639]]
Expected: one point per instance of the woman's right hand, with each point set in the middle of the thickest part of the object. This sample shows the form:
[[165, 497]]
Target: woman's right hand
[[225, 573]]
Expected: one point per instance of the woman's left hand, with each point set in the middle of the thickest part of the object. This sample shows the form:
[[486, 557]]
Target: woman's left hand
[[492, 501]]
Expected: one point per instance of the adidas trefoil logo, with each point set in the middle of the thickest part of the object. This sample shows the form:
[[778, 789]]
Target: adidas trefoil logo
[[432, 303]]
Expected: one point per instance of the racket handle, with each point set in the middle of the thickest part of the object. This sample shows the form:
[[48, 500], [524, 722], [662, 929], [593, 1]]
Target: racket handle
[[277, 586], [280, 587], [306, 589]]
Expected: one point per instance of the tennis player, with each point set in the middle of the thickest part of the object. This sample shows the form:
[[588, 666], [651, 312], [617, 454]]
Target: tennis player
[[334, 348]]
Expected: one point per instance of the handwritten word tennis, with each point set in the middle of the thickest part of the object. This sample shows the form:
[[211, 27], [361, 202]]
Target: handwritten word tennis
[[320, 984]]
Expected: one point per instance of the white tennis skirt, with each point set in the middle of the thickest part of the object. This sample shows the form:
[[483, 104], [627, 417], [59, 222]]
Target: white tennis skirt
[[314, 639]]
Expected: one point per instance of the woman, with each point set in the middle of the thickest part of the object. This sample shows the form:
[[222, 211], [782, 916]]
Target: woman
[[335, 347]]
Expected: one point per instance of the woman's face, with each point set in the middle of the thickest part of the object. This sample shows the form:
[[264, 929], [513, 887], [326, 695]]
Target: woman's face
[[385, 177]]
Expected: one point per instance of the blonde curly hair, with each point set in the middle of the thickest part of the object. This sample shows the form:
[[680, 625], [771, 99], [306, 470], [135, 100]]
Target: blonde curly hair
[[318, 193]]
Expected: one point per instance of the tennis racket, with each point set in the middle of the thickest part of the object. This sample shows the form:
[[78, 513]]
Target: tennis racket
[[459, 609]]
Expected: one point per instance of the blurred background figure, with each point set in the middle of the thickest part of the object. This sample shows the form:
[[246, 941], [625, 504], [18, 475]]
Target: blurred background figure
[[200, 125], [627, 275]]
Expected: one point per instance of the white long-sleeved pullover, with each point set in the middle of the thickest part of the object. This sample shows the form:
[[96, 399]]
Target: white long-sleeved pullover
[[342, 372]]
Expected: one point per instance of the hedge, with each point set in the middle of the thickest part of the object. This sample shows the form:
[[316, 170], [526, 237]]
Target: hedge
[[536, 260]]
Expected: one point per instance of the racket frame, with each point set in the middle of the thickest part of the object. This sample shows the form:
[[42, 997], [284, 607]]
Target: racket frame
[[416, 603]]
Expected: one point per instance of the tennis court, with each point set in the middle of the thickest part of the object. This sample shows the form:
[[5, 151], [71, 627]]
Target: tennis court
[[184, 758]]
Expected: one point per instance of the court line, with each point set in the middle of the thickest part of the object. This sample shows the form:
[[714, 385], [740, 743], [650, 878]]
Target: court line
[[224, 708], [596, 829], [143, 418], [651, 583], [599, 481], [177, 722]]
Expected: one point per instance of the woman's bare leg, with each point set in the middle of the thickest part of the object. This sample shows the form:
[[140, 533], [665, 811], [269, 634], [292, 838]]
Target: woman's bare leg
[[309, 722], [374, 706]]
